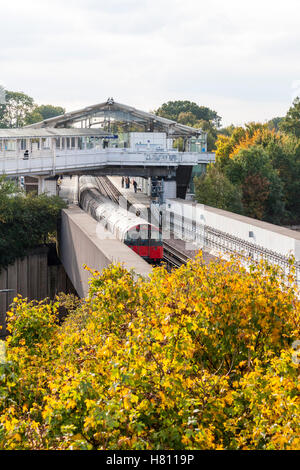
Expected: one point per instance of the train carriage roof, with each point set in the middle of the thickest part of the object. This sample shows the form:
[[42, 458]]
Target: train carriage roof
[[117, 218]]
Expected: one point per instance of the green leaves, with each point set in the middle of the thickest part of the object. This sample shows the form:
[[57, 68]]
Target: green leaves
[[25, 221]]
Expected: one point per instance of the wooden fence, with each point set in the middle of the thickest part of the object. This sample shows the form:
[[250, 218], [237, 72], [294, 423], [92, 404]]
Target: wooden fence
[[36, 276]]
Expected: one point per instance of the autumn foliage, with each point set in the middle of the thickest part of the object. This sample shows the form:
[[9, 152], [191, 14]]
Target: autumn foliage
[[199, 358]]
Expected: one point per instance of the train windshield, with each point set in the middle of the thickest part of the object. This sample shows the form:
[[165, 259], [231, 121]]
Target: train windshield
[[143, 232], [155, 233], [139, 231]]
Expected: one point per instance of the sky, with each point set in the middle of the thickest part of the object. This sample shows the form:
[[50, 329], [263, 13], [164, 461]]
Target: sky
[[240, 59]]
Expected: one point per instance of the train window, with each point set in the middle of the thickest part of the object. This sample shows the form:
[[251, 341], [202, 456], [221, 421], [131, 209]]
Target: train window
[[155, 233], [144, 232], [133, 234]]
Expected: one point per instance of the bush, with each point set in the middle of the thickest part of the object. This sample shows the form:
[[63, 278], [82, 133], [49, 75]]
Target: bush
[[199, 358], [25, 221]]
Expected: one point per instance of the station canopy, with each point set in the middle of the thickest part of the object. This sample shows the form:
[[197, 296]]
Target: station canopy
[[112, 117]]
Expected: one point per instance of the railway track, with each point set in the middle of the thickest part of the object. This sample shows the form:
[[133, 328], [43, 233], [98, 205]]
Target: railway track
[[108, 189], [173, 256]]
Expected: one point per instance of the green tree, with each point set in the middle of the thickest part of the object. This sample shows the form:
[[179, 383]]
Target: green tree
[[285, 157], [25, 221], [274, 124], [254, 164], [20, 110], [291, 123], [187, 118], [255, 190], [16, 109], [173, 109], [44, 111], [214, 189], [227, 131], [191, 114]]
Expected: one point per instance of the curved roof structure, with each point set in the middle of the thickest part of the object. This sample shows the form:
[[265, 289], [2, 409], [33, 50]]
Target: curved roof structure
[[104, 114]]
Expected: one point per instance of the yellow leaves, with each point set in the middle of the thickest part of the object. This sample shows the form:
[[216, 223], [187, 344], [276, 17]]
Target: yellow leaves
[[10, 424], [134, 399], [242, 364], [126, 402], [228, 398], [164, 363], [71, 403], [89, 422]]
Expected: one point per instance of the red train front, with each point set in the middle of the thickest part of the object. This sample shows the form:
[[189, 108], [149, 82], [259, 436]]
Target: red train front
[[146, 241]]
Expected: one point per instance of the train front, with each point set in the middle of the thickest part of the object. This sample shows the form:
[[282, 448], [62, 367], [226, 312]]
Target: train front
[[145, 239]]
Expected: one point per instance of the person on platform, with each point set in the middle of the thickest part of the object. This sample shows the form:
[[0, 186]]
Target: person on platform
[[135, 186], [123, 181]]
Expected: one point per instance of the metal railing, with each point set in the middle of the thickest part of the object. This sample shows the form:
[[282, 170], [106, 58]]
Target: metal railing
[[209, 237]]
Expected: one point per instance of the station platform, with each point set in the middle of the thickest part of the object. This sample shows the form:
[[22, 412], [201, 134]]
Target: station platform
[[133, 198]]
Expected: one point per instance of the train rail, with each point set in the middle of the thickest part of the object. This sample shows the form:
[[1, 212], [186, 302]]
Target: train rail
[[107, 188], [173, 256]]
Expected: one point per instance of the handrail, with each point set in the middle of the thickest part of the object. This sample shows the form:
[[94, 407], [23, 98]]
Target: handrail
[[211, 237]]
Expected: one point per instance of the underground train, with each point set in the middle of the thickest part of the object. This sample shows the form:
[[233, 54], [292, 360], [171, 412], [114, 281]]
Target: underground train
[[136, 232]]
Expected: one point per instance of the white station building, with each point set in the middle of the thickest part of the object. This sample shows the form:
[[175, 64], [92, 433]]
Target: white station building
[[108, 138]]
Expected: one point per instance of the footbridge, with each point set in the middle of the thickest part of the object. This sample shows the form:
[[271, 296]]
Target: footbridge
[[106, 138], [53, 152]]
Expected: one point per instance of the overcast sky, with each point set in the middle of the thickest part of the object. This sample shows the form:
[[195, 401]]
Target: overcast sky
[[239, 58]]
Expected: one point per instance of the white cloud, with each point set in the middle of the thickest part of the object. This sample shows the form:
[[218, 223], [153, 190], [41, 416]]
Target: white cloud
[[239, 59]]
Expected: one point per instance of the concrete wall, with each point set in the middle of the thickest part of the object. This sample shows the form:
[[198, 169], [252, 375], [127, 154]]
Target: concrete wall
[[83, 241], [269, 236], [35, 277], [169, 189]]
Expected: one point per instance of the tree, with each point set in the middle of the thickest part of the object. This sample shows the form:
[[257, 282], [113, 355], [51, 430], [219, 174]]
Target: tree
[[291, 123], [8, 188], [225, 145], [214, 189], [274, 124], [199, 358], [227, 131], [43, 112], [14, 112], [285, 157], [25, 221], [252, 165], [190, 114], [20, 110], [173, 109], [255, 193], [187, 118], [33, 117]]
